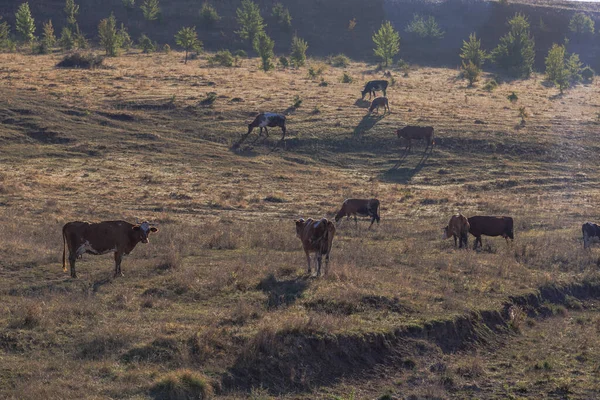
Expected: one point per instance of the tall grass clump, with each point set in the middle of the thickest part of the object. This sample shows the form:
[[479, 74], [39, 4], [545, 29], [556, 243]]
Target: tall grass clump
[[182, 385]]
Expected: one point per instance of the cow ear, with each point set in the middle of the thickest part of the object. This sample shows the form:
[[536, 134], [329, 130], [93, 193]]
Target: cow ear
[[153, 229], [136, 228]]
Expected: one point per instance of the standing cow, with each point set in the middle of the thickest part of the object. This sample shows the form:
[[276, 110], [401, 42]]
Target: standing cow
[[317, 237], [490, 226], [264, 120], [362, 207], [458, 226], [590, 231], [375, 86], [118, 237], [411, 133]]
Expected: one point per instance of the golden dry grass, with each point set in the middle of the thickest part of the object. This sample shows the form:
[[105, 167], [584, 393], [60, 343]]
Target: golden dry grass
[[225, 271]]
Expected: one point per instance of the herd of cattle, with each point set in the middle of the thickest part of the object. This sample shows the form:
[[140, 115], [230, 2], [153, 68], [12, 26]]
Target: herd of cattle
[[120, 237]]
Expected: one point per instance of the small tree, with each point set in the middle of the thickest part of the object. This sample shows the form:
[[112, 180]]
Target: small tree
[[209, 14], [25, 23], [471, 51], [387, 41], [109, 37], [66, 41], [71, 9], [188, 39], [574, 66], [581, 24], [555, 63], [48, 38], [150, 9], [516, 51], [425, 28], [129, 4], [250, 21], [471, 72], [80, 41], [126, 42], [298, 51], [264, 45], [282, 16], [4, 35], [146, 44]]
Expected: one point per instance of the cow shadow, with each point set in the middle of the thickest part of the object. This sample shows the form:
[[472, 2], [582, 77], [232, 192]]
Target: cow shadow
[[367, 123], [282, 293], [398, 174]]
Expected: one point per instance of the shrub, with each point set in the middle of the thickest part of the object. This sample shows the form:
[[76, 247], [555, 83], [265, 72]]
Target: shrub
[[387, 42], [129, 4], [297, 102], [166, 48], [323, 83], [109, 37], [264, 45], [316, 70], [347, 78], [209, 100], [223, 58], [339, 61], [79, 60], [25, 23], [284, 62], [587, 74], [5, 42], [425, 28], [581, 24], [282, 16], [471, 51], [573, 66], [188, 39], [470, 72], [66, 40], [79, 39], [146, 44], [298, 51], [126, 42], [48, 39], [150, 9], [512, 97], [209, 14], [182, 385], [490, 85], [240, 53], [516, 51], [555, 63], [250, 21]]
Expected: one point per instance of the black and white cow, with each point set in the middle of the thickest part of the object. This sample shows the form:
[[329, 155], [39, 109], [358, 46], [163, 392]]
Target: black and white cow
[[590, 231], [375, 86], [264, 120]]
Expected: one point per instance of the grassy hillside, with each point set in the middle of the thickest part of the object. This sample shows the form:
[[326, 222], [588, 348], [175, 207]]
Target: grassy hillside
[[221, 289]]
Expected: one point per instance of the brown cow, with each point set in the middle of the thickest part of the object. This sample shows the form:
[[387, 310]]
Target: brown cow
[[379, 102], [264, 120], [417, 133], [104, 237], [317, 237], [490, 226], [362, 207], [457, 227]]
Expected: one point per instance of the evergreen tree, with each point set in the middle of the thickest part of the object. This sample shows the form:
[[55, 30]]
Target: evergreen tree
[[4, 35], [151, 9], [516, 51], [71, 9], [250, 21], [282, 16], [66, 40], [48, 38], [264, 45], [581, 24], [298, 51], [387, 41], [25, 23], [209, 14], [555, 63], [188, 39], [146, 44], [109, 37], [126, 42], [471, 51]]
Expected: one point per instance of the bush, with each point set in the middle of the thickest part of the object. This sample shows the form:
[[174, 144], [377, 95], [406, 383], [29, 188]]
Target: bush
[[126, 42], [581, 24], [209, 14], [347, 78], [240, 53], [425, 28], [470, 72], [166, 48], [587, 74], [490, 85], [264, 45], [109, 37], [66, 40], [471, 51], [516, 51], [339, 61], [146, 44], [48, 40], [223, 58], [316, 70], [182, 385], [298, 51], [512, 97], [284, 62], [78, 60], [209, 100], [297, 102]]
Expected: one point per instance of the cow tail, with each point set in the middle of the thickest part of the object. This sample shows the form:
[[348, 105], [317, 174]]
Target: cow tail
[[432, 137], [64, 252]]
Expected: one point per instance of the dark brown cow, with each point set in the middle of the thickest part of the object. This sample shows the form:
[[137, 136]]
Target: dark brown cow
[[490, 226], [264, 120], [379, 102], [362, 207], [457, 227], [375, 86], [317, 237], [411, 133], [117, 237]]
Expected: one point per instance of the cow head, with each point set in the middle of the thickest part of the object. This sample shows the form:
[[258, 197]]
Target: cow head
[[144, 230], [445, 233], [300, 223]]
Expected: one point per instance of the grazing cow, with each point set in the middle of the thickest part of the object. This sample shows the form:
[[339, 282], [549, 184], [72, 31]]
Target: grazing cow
[[104, 237], [417, 133], [590, 231], [317, 237], [375, 86], [457, 227], [362, 207], [264, 120], [490, 226], [379, 102]]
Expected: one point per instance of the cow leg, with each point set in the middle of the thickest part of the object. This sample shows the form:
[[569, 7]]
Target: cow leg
[[118, 258], [355, 221], [72, 258], [585, 241], [319, 262], [454, 236], [266, 132], [465, 239], [372, 221], [308, 262]]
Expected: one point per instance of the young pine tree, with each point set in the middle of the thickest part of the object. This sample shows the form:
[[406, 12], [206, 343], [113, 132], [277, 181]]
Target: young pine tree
[[209, 14], [109, 37], [387, 41], [188, 39], [4, 35], [264, 45], [48, 38], [151, 9], [516, 51], [298, 52], [25, 23], [471, 51], [71, 9], [66, 40], [250, 21]]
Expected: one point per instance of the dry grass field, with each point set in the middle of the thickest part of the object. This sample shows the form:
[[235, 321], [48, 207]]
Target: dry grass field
[[220, 294]]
